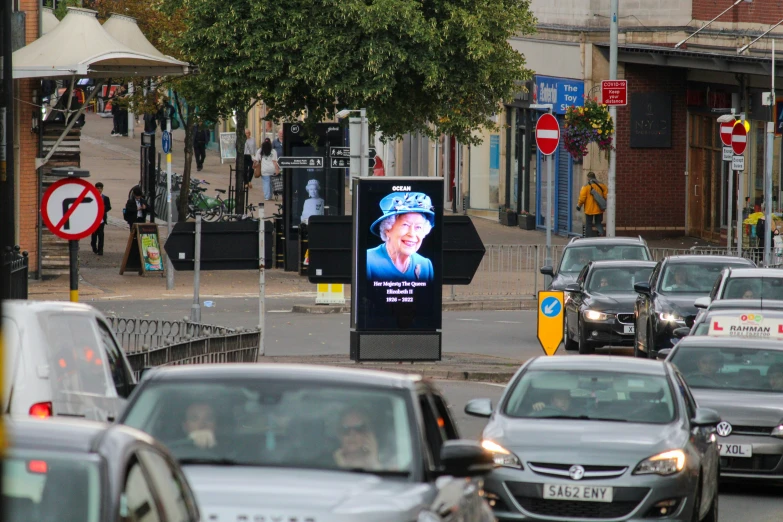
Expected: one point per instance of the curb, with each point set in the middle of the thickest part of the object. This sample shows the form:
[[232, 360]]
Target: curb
[[448, 306]]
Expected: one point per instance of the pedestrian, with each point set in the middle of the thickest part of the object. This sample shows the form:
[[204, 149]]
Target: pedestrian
[[278, 143], [250, 150], [136, 209], [96, 240], [593, 198], [115, 115], [200, 139], [267, 156]]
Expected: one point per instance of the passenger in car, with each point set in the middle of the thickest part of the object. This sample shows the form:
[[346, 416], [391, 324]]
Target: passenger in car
[[358, 442], [775, 377], [199, 425]]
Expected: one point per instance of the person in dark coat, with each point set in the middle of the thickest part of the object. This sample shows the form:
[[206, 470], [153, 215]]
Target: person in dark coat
[[96, 240], [200, 139], [137, 208]]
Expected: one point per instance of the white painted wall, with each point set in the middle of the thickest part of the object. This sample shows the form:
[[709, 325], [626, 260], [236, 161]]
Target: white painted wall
[[633, 13]]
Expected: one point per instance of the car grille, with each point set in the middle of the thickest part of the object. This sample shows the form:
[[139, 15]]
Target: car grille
[[751, 430], [626, 318], [754, 463], [529, 498], [591, 472]]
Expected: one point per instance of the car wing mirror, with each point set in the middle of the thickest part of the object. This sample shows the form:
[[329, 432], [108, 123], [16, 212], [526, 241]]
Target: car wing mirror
[[705, 417], [681, 332], [144, 372], [663, 354], [573, 288], [465, 458], [702, 303], [479, 408], [547, 270], [642, 288]]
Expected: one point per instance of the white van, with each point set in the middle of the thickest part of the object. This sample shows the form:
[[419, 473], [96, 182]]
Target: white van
[[62, 359]]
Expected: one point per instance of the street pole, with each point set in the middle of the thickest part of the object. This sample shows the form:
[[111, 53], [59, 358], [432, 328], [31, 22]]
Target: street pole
[[7, 192], [131, 115], [740, 199], [195, 309], [611, 197], [768, 223], [261, 287], [169, 266], [73, 261], [355, 144], [729, 246], [549, 181], [365, 145]]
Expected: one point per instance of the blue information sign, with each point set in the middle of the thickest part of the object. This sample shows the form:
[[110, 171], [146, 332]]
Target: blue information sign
[[165, 140], [560, 92]]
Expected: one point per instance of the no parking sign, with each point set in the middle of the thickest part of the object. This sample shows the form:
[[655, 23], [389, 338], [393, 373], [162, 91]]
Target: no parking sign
[[72, 208]]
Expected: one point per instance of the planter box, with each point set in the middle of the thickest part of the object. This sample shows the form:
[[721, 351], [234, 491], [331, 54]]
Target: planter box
[[508, 218], [527, 222]]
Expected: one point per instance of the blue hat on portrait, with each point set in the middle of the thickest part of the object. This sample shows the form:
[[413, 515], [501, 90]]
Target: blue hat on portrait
[[402, 203]]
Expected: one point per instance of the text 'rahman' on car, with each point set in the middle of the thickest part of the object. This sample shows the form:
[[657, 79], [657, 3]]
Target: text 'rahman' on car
[[600, 438], [599, 305], [580, 251], [312, 443]]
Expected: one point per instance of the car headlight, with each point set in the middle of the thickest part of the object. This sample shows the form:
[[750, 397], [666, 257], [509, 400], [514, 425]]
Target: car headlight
[[777, 431], [594, 315], [666, 463], [501, 455], [669, 317]]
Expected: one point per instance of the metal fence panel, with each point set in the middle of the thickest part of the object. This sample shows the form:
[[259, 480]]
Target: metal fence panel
[[14, 267]]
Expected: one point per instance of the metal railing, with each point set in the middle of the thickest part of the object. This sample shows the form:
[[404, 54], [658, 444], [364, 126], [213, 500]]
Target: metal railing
[[513, 271], [150, 342], [14, 270]]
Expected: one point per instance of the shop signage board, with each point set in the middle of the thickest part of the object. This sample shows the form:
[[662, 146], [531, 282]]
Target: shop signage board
[[728, 154], [296, 162], [614, 92], [143, 250], [725, 132], [739, 139], [547, 134], [550, 321], [561, 93], [738, 163], [228, 146], [72, 208]]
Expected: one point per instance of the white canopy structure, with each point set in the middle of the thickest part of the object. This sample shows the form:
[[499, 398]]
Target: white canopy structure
[[125, 30], [80, 46], [48, 20]]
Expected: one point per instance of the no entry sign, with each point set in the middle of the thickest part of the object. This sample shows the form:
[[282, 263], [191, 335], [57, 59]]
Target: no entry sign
[[547, 134], [725, 132], [739, 139], [72, 208]]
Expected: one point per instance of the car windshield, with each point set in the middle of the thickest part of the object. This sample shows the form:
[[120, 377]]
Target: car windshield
[[50, 487], [592, 395], [617, 280], [576, 257], [281, 423], [746, 369], [690, 278], [754, 288]]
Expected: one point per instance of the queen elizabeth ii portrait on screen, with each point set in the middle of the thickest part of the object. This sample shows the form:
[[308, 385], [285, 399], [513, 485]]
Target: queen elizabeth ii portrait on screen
[[407, 219]]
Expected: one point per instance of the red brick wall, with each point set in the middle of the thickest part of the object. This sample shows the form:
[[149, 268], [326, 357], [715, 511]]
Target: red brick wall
[[651, 182], [27, 186], [758, 11]]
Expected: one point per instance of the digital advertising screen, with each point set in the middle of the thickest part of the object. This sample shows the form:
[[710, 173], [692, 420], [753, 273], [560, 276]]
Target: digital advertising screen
[[398, 251]]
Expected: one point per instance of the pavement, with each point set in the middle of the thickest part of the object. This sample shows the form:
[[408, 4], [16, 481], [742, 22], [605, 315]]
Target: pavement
[[115, 162]]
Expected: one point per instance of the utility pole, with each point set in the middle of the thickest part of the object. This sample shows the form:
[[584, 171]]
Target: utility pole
[[611, 199], [169, 203], [768, 223]]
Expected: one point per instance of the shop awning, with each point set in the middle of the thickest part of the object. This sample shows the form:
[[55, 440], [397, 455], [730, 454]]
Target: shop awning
[[707, 60], [48, 20], [125, 30], [80, 46]]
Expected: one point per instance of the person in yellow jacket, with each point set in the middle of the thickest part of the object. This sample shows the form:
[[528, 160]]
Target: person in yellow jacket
[[593, 211]]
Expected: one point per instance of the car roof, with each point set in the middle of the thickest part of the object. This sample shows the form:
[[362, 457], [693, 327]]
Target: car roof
[[730, 342], [755, 272], [21, 306], [607, 363], [705, 259], [623, 263], [302, 372], [587, 241], [740, 305]]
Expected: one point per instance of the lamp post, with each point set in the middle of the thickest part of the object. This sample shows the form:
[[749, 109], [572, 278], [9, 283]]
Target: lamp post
[[359, 139]]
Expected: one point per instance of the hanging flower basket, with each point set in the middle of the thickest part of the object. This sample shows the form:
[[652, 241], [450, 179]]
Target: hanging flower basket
[[585, 125]]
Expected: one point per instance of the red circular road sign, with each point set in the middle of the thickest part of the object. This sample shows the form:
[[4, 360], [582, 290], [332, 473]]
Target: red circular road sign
[[725, 132], [739, 139], [72, 208], [547, 134]]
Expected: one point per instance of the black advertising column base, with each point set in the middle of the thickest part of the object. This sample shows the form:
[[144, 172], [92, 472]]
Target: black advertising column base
[[395, 346], [73, 254]]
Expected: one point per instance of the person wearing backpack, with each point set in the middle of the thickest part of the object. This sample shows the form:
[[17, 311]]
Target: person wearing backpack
[[593, 198]]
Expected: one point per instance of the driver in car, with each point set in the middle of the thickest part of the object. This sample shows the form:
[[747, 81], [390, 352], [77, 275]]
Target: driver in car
[[559, 401], [358, 443], [775, 377], [707, 367], [680, 277], [580, 259]]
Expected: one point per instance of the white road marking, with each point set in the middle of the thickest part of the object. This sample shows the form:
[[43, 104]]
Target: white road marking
[[279, 311], [509, 322], [115, 297], [468, 319]]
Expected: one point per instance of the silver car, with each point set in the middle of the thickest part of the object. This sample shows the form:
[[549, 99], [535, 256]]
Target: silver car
[[600, 438], [273, 442], [743, 380]]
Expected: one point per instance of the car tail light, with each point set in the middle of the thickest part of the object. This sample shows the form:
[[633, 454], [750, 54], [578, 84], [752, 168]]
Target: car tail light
[[41, 410], [37, 466]]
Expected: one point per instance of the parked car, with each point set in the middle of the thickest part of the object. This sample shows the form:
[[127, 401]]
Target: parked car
[[584, 437], [76, 470], [667, 301], [743, 381], [599, 306], [580, 251], [260, 441], [62, 359], [746, 283]]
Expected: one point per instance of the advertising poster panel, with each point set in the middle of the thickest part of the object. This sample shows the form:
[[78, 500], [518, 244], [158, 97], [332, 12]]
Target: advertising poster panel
[[398, 265]]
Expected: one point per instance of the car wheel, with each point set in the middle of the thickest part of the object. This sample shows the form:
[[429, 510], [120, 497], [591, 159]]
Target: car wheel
[[568, 343], [585, 346]]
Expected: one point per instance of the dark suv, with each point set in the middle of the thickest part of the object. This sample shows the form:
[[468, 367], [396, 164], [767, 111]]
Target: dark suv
[[580, 251]]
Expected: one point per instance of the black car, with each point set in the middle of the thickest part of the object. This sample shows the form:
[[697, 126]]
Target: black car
[[580, 251], [667, 301], [68, 469], [295, 442], [599, 305]]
